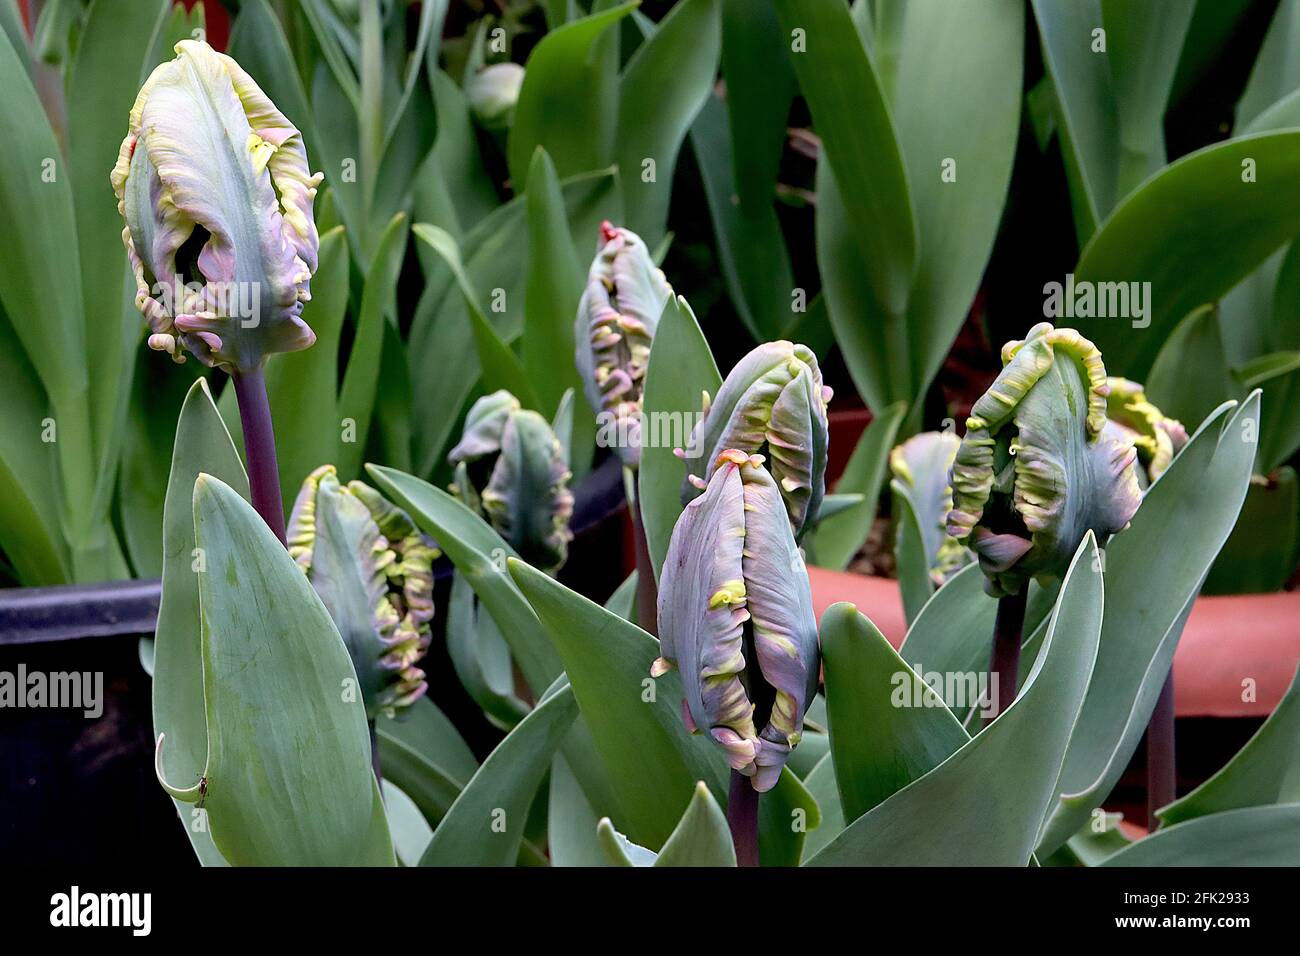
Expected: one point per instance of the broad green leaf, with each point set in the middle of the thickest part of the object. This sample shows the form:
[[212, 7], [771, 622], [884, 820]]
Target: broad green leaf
[[983, 804], [361, 383], [1260, 555], [571, 821], [287, 769], [887, 727], [411, 831], [821, 785], [485, 826], [302, 386], [804, 758], [41, 290], [427, 730], [1255, 836], [553, 285], [1192, 231], [479, 555], [29, 505], [1277, 68], [481, 657], [1147, 603], [1143, 40], [494, 253], [1190, 378], [680, 370], [1277, 376], [622, 601], [910, 556], [701, 837], [661, 89], [852, 118], [501, 367], [962, 62], [568, 103], [837, 539], [751, 247], [202, 446], [1265, 771], [786, 813], [619, 850], [101, 88], [453, 177], [653, 762]]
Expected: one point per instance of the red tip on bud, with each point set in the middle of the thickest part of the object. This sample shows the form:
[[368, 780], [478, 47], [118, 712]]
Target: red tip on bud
[[607, 231]]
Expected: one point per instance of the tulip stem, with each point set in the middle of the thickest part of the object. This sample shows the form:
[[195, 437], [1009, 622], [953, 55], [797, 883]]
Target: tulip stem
[[742, 818], [1161, 775], [259, 448], [1007, 629], [647, 591]]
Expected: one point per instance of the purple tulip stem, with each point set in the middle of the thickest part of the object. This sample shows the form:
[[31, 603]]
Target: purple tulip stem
[[1007, 628], [742, 818], [647, 589], [259, 448], [1161, 775]]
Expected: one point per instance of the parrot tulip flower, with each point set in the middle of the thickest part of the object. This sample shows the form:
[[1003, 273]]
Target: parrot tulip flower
[[510, 468], [774, 402], [1157, 438], [214, 186], [617, 316], [373, 571], [1037, 468], [736, 616], [922, 468]]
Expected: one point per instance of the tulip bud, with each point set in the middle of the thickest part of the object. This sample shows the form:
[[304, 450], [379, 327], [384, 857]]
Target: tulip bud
[[373, 570], [214, 186], [492, 93], [1037, 468], [772, 402], [736, 616], [617, 317], [922, 468], [1157, 438], [510, 468]]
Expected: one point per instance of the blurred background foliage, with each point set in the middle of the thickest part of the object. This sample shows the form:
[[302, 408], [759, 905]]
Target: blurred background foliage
[[800, 188]]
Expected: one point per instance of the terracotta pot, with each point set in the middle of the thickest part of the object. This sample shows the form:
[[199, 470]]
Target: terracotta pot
[[1234, 646]]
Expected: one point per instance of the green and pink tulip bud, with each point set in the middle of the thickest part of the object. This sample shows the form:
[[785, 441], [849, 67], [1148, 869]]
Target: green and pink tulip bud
[[373, 570], [1038, 468], [922, 471], [617, 316], [736, 618], [1156, 437], [510, 468], [213, 182], [774, 403]]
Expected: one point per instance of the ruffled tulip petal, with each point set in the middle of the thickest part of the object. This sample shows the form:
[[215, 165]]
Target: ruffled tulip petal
[[1039, 462], [772, 402], [527, 499], [617, 317], [214, 186], [922, 465]]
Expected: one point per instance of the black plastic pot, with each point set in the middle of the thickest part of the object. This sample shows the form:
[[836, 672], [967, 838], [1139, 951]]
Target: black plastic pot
[[81, 790]]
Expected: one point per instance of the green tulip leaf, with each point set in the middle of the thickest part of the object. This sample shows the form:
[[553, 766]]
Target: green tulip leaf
[[887, 726], [701, 837], [1254, 836], [485, 826], [983, 805], [287, 776], [1147, 604]]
